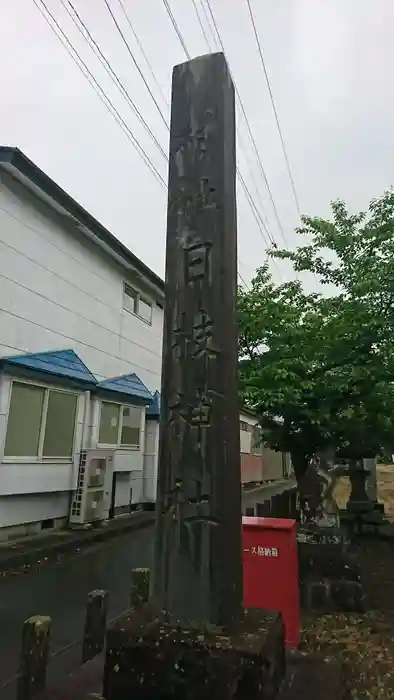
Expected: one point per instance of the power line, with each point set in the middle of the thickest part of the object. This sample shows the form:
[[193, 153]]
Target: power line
[[260, 223], [256, 216], [274, 107], [64, 40], [264, 223], [202, 26], [255, 211], [242, 280], [109, 70], [152, 72], [177, 30], [249, 130], [126, 43], [257, 190], [204, 9]]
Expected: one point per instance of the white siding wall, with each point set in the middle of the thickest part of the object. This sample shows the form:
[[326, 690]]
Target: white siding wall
[[32, 508], [246, 441], [58, 290], [246, 436], [151, 456]]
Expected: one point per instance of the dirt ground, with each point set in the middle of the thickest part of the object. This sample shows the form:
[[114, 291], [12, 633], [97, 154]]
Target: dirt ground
[[385, 474], [364, 642]]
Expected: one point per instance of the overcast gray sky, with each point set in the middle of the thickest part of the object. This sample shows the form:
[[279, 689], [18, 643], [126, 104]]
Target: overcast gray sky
[[330, 65]]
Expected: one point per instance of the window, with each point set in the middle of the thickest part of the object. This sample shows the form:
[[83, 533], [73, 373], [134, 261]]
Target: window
[[136, 304], [41, 422], [120, 425], [243, 426], [256, 440]]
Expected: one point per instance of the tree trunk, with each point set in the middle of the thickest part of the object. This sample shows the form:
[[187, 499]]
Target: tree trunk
[[300, 461]]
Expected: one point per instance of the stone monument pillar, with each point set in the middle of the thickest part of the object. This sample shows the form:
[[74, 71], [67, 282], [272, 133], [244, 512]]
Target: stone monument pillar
[[197, 570], [192, 639]]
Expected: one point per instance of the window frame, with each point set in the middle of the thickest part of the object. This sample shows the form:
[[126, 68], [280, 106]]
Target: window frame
[[118, 445], [40, 457], [138, 297]]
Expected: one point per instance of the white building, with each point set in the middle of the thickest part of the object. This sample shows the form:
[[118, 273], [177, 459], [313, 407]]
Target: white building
[[259, 464], [80, 359]]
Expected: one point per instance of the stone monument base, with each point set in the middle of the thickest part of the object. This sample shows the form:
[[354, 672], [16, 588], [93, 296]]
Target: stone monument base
[[311, 677], [150, 657], [329, 573]]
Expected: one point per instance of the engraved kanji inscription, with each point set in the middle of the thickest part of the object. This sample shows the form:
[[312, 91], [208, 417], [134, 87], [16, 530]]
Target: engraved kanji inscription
[[179, 339], [203, 336], [200, 414], [177, 409], [197, 260], [190, 199]]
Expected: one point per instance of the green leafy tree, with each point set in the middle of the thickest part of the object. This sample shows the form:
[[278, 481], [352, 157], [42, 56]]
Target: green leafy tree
[[318, 370]]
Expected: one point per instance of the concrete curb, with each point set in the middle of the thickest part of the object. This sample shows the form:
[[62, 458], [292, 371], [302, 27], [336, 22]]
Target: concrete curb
[[81, 539]]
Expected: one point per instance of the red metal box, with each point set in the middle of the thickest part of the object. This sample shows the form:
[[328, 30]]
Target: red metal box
[[270, 570]]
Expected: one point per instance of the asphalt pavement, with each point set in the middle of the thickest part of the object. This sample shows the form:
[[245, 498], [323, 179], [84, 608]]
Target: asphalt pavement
[[60, 590]]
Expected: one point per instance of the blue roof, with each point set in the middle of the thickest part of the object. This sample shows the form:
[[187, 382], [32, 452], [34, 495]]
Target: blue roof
[[154, 410], [60, 363], [128, 385]]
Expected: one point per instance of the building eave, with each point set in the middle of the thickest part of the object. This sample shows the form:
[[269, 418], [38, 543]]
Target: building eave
[[19, 166]]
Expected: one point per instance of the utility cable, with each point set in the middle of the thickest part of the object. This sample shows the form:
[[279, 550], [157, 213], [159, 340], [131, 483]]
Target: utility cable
[[135, 35], [263, 223], [64, 40], [82, 27], [205, 35], [126, 43], [274, 107], [177, 30], [260, 223], [204, 9], [249, 129]]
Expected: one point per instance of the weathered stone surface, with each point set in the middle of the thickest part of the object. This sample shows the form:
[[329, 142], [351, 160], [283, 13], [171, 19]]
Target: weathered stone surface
[[329, 573], [95, 624], [198, 570], [322, 536], [150, 657], [34, 657], [313, 678], [327, 560], [140, 585], [330, 595], [358, 500]]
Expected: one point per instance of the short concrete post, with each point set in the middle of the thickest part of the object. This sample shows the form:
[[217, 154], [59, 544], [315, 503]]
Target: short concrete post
[[34, 657], [95, 624], [140, 584]]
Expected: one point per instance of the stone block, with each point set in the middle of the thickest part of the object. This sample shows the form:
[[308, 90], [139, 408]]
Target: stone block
[[148, 656], [312, 678], [318, 535], [348, 596], [326, 596], [34, 657], [95, 624], [327, 561], [316, 596]]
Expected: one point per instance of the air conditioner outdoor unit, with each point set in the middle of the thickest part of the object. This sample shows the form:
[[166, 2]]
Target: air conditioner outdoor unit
[[91, 500]]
